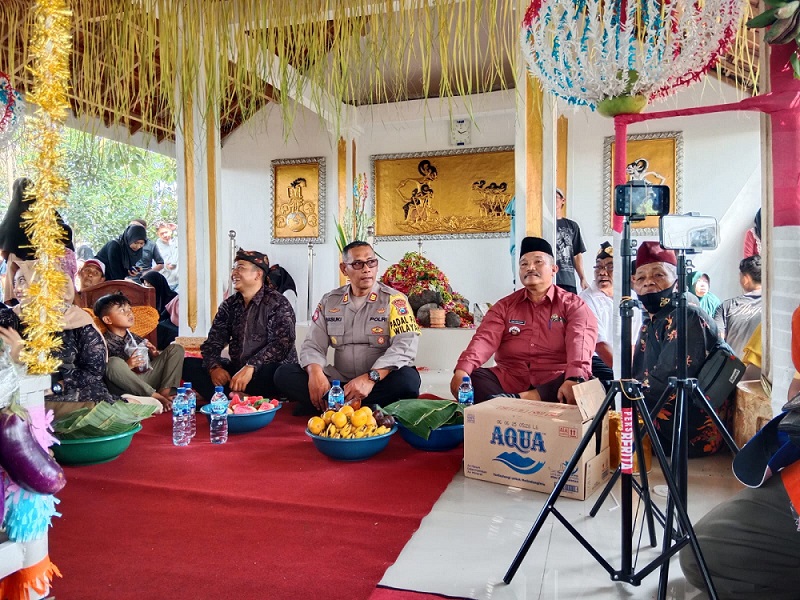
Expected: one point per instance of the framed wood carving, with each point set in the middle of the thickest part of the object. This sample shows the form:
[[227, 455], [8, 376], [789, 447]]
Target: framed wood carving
[[653, 157], [298, 200], [463, 193]]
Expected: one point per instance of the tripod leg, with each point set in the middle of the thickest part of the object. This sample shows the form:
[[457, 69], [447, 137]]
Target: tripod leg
[[606, 491], [645, 487], [676, 502], [701, 401], [562, 481]]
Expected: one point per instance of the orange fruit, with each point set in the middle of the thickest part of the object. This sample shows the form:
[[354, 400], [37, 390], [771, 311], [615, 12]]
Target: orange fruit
[[366, 410], [347, 410], [339, 419], [358, 419], [371, 421], [316, 425], [326, 416]]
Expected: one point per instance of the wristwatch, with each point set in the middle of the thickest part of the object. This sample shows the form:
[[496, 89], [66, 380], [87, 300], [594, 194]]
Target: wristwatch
[[374, 376], [576, 379]]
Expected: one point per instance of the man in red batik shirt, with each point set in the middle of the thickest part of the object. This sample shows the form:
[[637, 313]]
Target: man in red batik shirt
[[542, 337]]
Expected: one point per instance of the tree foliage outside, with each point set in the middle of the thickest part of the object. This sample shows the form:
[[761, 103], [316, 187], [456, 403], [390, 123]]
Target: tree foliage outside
[[110, 184]]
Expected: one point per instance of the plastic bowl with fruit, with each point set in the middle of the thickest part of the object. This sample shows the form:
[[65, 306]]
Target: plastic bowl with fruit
[[350, 434], [247, 413]]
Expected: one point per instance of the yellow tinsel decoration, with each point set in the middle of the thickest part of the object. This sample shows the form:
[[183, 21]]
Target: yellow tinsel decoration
[[51, 44]]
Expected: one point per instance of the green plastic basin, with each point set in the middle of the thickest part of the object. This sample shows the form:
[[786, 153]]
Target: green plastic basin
[[93, 451]]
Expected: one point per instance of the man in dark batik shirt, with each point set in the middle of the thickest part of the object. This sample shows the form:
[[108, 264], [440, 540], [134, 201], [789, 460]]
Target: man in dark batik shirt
[[257, 324], [655, 358]]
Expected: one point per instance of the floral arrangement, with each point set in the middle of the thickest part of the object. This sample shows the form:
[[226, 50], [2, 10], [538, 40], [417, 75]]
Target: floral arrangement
[[415, 274], [355, 222]]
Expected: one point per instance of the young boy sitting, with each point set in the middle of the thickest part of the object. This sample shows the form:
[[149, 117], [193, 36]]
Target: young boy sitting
[[164, 375]]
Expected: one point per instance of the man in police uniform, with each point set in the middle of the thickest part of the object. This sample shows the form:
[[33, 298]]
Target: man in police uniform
[[374, 335]]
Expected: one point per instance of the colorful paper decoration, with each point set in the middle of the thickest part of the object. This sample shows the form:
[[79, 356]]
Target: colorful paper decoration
[[12, 111], [587, 51]]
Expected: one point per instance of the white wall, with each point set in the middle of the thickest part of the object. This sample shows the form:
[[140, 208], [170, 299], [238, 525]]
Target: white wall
[[721, 178]]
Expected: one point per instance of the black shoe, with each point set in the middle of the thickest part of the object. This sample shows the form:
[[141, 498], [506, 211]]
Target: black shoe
[[304, 410]]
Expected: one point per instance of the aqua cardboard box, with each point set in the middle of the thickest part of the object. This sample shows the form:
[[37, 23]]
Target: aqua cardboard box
[[528, 444]]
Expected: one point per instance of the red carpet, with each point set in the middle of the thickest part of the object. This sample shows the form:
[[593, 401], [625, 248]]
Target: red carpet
[[264, 516]]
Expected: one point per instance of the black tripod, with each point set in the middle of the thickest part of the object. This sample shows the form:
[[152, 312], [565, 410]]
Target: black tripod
[[673, 474]]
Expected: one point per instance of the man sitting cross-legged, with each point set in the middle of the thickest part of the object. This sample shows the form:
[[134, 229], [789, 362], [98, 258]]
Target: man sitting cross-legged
[[164, 373], [257, 324], [542, 337], [373, 332]]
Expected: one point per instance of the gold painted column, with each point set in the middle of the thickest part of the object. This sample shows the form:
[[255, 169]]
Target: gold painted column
[[538, 164], [197, 151]]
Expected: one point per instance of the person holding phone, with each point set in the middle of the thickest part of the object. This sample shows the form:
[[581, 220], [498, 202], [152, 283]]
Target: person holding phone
[[121, 255]]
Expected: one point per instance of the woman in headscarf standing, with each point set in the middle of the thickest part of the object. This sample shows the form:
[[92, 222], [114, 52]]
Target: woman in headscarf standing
[[120, 255], [700, 286], [15, 244]]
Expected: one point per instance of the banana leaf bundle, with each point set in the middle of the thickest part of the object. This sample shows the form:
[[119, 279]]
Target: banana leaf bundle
[[423, 416], [100, 420]]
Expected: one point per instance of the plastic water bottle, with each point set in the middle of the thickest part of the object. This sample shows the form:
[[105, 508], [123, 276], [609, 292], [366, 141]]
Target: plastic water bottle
[[219, 416], [192, 398], [335, 395], [466, 394], [180, 420]]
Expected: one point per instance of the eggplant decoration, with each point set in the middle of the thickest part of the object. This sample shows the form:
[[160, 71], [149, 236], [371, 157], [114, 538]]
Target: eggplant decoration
[[28, 464]]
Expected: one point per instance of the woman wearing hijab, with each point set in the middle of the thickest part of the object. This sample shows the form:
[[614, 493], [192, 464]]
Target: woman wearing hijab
[[166, 331], [120, 255], [79, 380], [700, 287], [752, 238], [15, 244]]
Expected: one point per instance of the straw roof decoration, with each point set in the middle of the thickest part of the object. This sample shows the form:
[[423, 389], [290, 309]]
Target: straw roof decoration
[[130, 56]]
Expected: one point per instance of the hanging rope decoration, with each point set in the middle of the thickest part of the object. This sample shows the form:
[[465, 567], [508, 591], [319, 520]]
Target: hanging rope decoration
[[616, 55], [50, 47], [12, 111]]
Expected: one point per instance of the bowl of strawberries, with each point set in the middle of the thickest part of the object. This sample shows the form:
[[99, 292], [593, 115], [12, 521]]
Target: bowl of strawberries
[[247, 413]]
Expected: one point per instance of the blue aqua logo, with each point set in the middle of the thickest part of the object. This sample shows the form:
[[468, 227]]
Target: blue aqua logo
[[523, 465], [521, 441]]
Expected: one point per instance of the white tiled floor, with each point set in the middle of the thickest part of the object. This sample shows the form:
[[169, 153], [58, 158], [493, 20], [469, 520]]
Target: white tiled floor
[[466, 544]]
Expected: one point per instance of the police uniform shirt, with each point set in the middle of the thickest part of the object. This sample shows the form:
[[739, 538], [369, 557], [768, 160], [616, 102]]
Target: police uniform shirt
[[380, 334]]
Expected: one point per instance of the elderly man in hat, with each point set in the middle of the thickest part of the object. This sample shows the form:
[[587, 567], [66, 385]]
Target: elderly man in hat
[[374, 335], [91, 273], [542, 337], [656, 354], [257, 324]]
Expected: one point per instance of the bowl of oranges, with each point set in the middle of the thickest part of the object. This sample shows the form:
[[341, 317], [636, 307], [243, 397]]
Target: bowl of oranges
[[349, 434]]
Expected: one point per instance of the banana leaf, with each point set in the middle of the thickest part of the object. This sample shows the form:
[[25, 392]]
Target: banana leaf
[[423, 416], [102, 419]]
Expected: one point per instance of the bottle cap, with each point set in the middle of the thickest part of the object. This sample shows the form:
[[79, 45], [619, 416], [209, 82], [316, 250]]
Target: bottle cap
[[336, 382], [218, 388], [465, 379], [181, 390], [187, 385]]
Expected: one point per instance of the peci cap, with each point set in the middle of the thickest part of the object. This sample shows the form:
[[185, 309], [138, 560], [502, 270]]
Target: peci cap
[[535, 244], [652, 252]]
